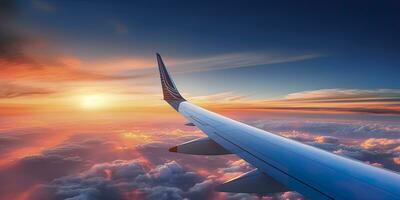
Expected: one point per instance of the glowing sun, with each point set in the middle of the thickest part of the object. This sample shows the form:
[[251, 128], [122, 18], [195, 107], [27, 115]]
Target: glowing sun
[[93, 101]]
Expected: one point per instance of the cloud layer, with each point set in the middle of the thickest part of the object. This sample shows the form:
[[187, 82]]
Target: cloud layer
[[380, 101], [123, 164], [129, 179]]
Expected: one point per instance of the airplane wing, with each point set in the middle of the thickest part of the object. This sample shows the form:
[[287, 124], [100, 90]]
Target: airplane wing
[[281, 164]]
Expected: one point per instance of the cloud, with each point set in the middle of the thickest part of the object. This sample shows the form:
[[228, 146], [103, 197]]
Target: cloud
[[290, 195], [375, 157], [87, 166], [380, 101], [334, 110], [43, 6], [218, 168], [373, 143], [119, 27], [338, 95], [223, 97], [20, 59], [100, 158], [352, 153], [353, 129], [67, 158], [234, 166], [36, 169], [145, 66], [379, 157], [374, 164], [380, 143], [396, 160], [327, 139], [242, 196], [339, 101], [128, 178], [280, 196], [10, 140], [53, 71], [235, 60], [8, 90]]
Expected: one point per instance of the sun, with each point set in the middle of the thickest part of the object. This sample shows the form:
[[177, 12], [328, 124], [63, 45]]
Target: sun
[[93, 101]]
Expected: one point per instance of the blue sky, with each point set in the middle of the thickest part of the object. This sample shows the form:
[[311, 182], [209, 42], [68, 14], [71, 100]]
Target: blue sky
[[355, 43]]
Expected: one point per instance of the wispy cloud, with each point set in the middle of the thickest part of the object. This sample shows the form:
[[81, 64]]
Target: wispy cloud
[[336, 109], [146, 65], [28, 68], [343, 95], [20, 58], [236, 60], [43, 6], [134, 64], [220, 97], [118, 27], [8, 90], [380, 101]]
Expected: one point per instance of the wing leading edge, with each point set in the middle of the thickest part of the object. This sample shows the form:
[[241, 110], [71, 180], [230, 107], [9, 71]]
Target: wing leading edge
[[286, 164]]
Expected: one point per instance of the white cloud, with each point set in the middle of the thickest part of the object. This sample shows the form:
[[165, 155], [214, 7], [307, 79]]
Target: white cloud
[[236, 60], [337, 94]]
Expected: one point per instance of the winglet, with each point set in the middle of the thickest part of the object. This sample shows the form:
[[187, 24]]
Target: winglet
[[170, 92]]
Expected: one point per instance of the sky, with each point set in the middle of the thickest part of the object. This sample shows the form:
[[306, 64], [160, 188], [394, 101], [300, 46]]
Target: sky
[[81, 114]]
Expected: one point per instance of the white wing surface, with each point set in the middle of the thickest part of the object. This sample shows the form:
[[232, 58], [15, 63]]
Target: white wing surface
[[282, 164]]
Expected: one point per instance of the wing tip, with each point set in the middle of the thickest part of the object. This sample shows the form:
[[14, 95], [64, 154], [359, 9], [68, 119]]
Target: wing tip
[[170, 91]]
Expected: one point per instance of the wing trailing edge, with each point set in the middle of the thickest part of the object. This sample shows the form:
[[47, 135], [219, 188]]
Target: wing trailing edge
[[253, 182], [200, 146]]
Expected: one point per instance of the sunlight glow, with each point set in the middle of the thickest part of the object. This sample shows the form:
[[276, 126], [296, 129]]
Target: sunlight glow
[[93, 101]]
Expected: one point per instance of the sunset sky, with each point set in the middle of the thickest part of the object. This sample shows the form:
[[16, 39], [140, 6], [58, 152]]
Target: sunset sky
[[81, 114]]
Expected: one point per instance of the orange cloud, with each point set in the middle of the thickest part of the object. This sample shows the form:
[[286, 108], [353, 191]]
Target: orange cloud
[[380, 143], [50, 72], [396, 160], [8, 90], [383, 101]]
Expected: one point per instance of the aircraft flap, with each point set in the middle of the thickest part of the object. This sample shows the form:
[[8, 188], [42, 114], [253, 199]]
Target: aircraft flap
[[253, 182], [200, 146]]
